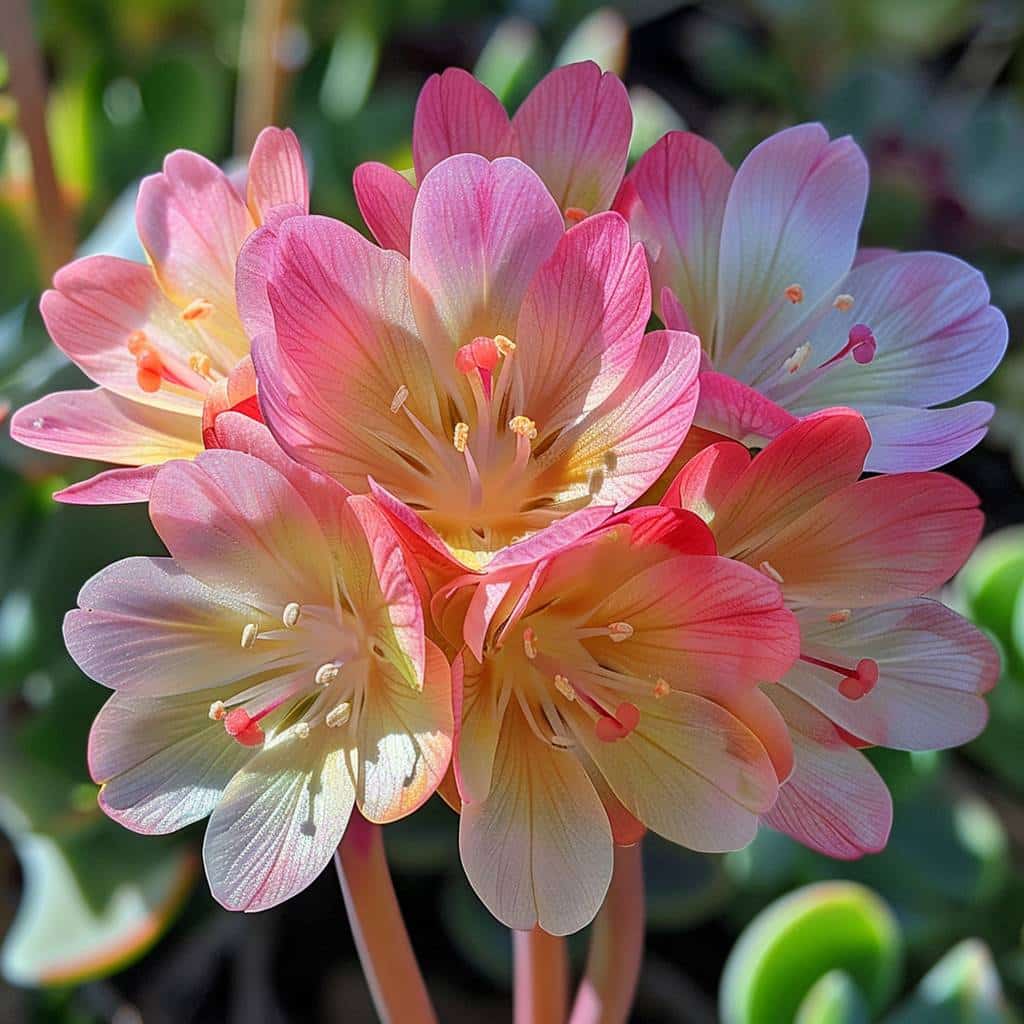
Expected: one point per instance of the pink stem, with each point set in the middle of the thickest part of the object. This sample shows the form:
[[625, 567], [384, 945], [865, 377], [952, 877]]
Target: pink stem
[[616, 947], [28, 87], [385, 952], [542, 977]]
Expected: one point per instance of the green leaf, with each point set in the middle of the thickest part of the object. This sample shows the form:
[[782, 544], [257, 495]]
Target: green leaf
[[681, 887], [603, 37], [653, 116], [962, 988], [799, 938], [833, 999], [510, 60], [60, 936]]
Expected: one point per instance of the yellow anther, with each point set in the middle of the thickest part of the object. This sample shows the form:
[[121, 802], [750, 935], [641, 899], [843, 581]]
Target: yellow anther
[[530, 642], [661, 688], [217, 711], [795, 294], [505, 346], [302, 730], [200, 362], [575, 214], [326, 674], [840, 615], [564, 687], [197, 309], [136, 341], [771, 572], [523, 426], [798, 358], [844, 303], [339, 715], [249, 633], [399, 400], [619, 631], [460, 436], [291, 613]]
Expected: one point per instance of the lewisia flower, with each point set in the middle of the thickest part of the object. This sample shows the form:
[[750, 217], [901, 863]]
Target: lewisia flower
[[763, 265], [879, 663], [609, 686], [164, 341], [273, 671], [495, 382], [573, 130]]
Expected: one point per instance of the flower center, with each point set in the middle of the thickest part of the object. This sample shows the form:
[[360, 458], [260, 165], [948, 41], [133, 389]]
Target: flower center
[[855, 683]]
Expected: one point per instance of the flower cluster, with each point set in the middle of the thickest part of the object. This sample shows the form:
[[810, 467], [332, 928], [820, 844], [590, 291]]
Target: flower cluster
[[445, 516]]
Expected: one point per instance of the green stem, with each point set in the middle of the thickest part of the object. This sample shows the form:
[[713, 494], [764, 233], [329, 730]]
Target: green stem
[[616, 946], [385, 952]]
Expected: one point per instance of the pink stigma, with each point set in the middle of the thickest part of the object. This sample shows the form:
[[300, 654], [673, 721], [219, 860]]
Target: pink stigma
[[610, 728], [480, 354], [243, 728], [860, 343], [856, 683]]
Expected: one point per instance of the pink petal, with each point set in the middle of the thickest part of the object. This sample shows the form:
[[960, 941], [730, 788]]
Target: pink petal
[[277, 174], [882, 539], [112, 487], [479, 729], [457, 114], [690, 771], [480, 231], [238, 525], [192, 224], [582, 322], [736, 410], [386, 199], [404, 739], [279, 821], [96, 305], [792, 217], [913, 440], [574, 130], [343, 344], [937, 335], [538, 850], [162, 762], [681, 184], [808, 462], [145, 626], [101, 425], [933, 667], [834, 802], [707, 478], [703, 623], [630, 439]]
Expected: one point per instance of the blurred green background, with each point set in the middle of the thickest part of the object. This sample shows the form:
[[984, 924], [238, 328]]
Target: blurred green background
[[100, 925]]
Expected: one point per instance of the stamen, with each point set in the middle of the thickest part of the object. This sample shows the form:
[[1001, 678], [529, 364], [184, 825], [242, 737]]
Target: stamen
[[460, 437], [400, 396], [217, 711], [798, 358], [619, 631], [137, 340], [505, 346], [564, 687], [150, 368], [856, 683], [575, 214], [771, 572], [840, 615], [301, 730], [339, 715], [197, 309], [595, 482], [530, 642], [326, 674], [200, 362], [860, 343], [795, 294], [661, 688], [291, 613], [523, 426], [249, 633], [844, 303]]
